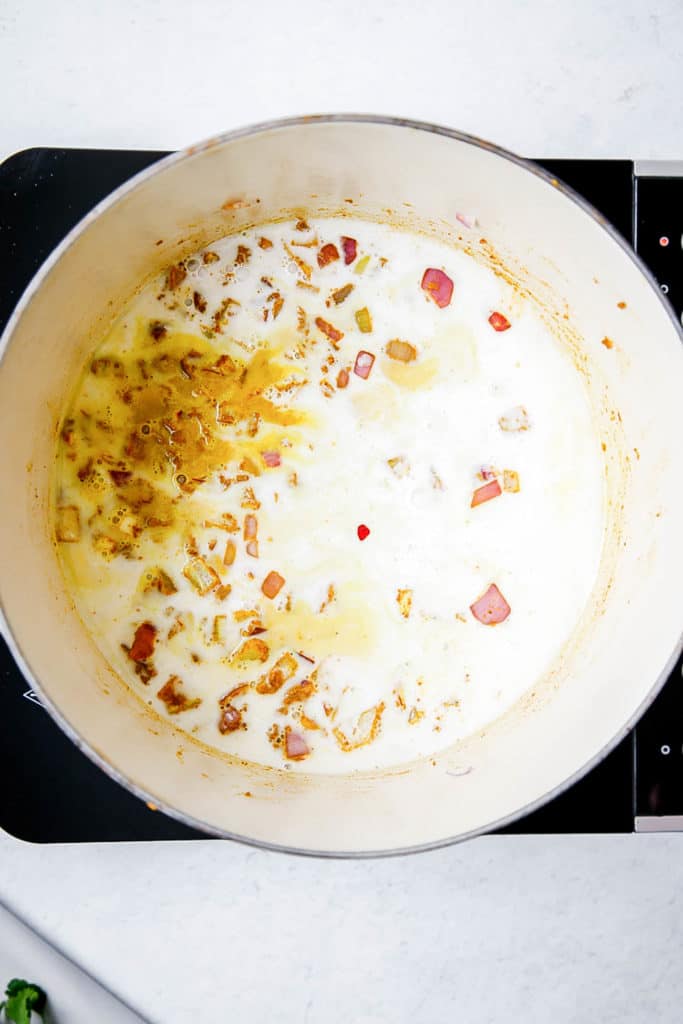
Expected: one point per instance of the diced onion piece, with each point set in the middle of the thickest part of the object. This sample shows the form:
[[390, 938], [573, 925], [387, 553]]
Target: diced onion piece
[[157, 579], [202, 577], [486, 473], [230, 552], [272, 584], [142, 647], [514, 420], [328, 254], [341, 294], [230, 719], [250, 527], [342, 379], [467, 219], [499, 322], [485, 493], [402, 351], [252, 548], [350, 249], [253, 649], [404, 599], [299, 693], [365, 731], [511, 481], [284, 669], [364, 320], [491, 608], [363, 364], [296, 748], [331, 332], [68, 524], [174, 698], [438, 286], [271, 459]]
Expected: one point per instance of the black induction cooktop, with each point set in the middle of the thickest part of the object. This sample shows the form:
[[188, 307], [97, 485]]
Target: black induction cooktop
[[50, 792]]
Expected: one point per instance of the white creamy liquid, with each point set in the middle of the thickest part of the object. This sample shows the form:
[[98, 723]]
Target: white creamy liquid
[[425, 680]]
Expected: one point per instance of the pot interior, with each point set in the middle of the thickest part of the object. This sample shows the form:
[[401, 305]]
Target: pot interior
[[588, 286]]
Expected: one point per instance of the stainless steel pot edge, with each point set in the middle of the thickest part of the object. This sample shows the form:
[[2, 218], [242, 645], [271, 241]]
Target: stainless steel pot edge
[[132, 184]]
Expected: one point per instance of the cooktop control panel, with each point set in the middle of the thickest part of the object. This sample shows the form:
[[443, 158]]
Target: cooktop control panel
[[51, 792]]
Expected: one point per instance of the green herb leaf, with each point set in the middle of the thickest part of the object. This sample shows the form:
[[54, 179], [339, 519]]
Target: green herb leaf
[[22, 998]]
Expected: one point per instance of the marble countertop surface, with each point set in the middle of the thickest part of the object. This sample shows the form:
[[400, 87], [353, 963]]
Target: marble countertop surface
[[532, 929]]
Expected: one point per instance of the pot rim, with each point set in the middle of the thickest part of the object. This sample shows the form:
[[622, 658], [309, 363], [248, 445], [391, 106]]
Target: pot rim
[[129, 186]]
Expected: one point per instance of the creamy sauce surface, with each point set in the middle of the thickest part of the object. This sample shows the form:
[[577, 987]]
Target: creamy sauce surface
[[294, 467]]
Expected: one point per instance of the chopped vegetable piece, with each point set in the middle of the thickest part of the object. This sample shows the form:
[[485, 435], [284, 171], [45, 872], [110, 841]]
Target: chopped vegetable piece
[[499, 322], [250, 527], [272, 584], [363, 364], [282, 671], [349, 248], [249, 499], [362, 264], [218, 629], [157, 579], [467, 219], [68, 526], [328, 254], [415, 716], [341, 294], [363, 532], [485, 493], [299, 693], [404, 599], [438, 286], [305, 268], [176, 276], [252, 548], [223, 591], [230, 719], [402, 351], [252, 649], [271, 459], [491, 608], [514, 420], [202, 577], [230, 552], [365, 732], [486, 473], [364, 320], [172, 695], [296, 748], [332, 333], [265, 243], [143, 642], [342, 379], [243, 255], [227, 522], [510, 481], [608, 343]]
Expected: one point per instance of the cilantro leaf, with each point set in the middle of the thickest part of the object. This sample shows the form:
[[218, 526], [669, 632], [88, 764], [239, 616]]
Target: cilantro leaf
[[22, 997]]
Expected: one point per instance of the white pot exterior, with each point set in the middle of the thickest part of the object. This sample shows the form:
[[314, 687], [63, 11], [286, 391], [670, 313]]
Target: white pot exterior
[[556, 249]]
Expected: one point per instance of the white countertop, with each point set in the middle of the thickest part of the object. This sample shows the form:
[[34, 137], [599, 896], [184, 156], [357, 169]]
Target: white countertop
[[501, 929]]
